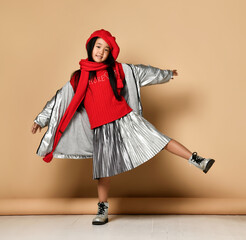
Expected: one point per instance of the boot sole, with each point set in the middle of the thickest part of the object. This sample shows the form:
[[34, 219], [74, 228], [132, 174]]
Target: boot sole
[[209, 165], [100, 223]]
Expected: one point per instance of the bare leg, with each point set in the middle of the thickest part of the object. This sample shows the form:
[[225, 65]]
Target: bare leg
[[103, 188], [178, 149]]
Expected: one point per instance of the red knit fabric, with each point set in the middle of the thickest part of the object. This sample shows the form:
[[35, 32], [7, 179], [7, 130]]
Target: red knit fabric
[[100, 102], [85, 67]]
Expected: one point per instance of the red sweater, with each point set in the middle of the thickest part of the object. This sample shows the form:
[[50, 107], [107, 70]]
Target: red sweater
[[100, 103]]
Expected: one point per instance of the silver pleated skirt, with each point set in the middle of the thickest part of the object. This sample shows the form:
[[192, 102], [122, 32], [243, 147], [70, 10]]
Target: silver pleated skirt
[[125, 144]]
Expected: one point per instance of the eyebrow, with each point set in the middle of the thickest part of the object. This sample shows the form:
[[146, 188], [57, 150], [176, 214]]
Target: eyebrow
[[101, 44]]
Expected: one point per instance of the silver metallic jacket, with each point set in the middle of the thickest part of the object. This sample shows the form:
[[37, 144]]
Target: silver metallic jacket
[[77, 140]]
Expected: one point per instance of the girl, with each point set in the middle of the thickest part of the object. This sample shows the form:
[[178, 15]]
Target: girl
[[100, 109]]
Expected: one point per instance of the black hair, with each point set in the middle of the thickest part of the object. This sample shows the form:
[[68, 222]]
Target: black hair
[[110, 62]]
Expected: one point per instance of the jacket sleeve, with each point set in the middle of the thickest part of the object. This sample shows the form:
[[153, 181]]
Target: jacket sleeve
[[149, 75], [43, 117]]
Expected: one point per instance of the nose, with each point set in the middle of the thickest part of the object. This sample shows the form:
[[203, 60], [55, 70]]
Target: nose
[[101, 51]]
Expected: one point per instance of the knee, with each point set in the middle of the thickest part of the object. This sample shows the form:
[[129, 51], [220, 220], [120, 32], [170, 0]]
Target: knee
[[170, 142]]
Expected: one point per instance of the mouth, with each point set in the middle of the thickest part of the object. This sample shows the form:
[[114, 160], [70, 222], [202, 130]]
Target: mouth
[[100, 57]]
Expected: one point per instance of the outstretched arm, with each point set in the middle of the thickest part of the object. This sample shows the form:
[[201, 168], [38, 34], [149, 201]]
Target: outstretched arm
[[43, 117], [149, 75]]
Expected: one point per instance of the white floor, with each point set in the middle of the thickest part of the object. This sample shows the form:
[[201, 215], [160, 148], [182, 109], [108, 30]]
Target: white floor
[[127, 227]]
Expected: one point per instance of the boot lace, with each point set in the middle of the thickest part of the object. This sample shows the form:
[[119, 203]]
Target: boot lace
[[196, 158], [102, 207]]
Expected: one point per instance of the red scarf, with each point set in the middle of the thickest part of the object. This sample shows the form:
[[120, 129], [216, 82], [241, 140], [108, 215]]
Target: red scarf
[[79, 95]]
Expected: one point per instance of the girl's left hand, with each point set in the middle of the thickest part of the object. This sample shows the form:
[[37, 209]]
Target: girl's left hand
[[35, 127], [175, 73]]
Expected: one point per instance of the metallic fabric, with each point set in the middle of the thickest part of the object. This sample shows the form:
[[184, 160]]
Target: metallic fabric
[[138, 76], [76, 141], [43, 117], [125, 144]]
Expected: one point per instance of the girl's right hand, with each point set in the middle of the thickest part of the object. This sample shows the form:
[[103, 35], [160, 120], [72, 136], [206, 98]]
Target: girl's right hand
[[35, 127]]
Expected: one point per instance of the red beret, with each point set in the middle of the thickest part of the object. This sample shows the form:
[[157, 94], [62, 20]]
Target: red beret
[[109, 39]]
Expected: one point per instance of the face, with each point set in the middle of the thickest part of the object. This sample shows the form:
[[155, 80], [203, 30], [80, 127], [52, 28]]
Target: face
[[100, 51]]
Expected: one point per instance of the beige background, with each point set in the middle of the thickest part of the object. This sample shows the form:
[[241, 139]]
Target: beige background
[[203, 108]]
